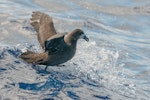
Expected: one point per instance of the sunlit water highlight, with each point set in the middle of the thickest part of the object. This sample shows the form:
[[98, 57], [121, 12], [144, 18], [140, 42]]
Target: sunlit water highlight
[[114, 65]]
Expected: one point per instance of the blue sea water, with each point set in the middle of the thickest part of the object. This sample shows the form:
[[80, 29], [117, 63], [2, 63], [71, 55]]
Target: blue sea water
[[113, 65]]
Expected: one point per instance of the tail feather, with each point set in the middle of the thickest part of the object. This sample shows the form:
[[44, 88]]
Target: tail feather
[[37, 58]]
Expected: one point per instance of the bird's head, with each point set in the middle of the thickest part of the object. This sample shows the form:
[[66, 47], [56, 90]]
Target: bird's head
[[75, 35], [79, 34]]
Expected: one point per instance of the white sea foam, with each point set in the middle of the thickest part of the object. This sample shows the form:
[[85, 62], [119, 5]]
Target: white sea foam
[[114, 64]]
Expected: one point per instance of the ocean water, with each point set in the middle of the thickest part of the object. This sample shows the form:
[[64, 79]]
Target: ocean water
[[113, 65]]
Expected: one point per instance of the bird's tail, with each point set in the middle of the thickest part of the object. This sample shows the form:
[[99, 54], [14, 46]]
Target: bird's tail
[[32, 57]]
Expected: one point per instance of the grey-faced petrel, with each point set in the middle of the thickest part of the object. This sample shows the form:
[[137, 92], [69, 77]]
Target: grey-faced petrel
[[57, 48]]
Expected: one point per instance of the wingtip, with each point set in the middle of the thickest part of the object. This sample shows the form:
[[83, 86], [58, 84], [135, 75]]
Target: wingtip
[[36, 12]]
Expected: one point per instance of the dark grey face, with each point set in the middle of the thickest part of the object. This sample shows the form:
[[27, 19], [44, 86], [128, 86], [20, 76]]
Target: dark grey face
[[79, 34], [83, 36]]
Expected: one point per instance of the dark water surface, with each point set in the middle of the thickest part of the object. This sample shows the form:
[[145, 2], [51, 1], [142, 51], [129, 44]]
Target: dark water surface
[[114, 65]]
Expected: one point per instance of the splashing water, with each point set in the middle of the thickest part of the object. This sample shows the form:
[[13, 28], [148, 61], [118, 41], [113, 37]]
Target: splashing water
[[113, 65]]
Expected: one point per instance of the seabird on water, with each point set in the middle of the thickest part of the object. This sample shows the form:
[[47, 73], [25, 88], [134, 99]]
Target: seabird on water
[[58, 48]]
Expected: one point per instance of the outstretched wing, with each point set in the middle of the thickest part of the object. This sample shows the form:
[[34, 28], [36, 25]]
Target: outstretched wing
[[43, 25]]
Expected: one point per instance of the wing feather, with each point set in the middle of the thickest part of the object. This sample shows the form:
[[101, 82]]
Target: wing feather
[[44, 26]]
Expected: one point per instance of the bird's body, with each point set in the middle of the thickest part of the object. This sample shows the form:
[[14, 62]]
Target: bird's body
[[59, 51], [57, 48]]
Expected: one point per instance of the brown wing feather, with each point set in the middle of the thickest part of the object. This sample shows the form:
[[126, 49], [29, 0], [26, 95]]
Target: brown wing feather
[[43, 25]]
